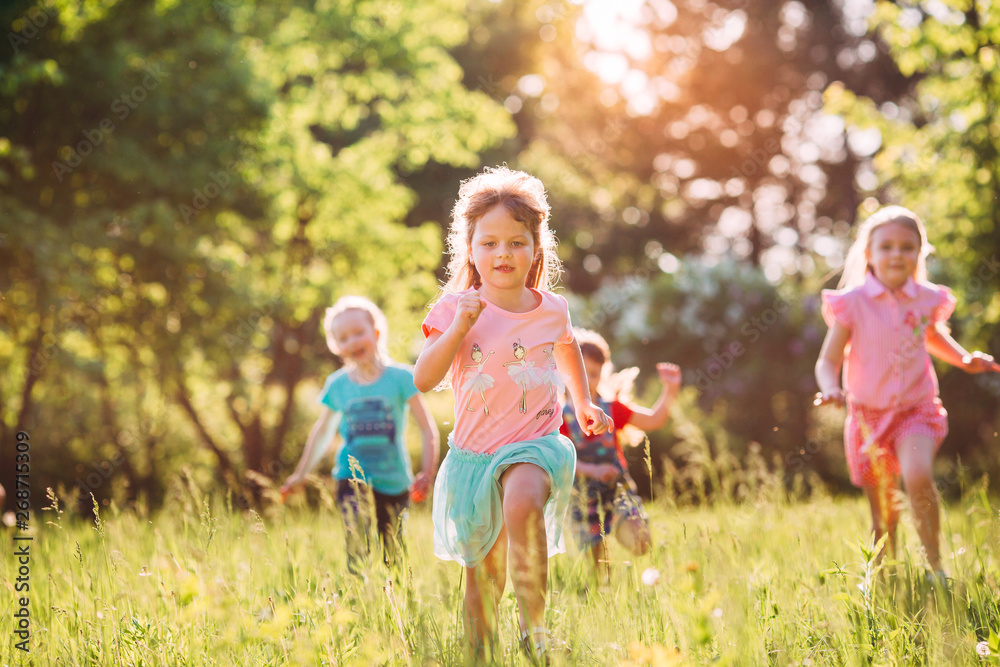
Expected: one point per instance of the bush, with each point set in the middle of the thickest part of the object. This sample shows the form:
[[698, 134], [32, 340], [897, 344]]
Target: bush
[[747, 346]]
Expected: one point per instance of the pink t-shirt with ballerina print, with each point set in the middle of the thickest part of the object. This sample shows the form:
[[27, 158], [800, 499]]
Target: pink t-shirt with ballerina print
[[887, 365], [504, 375]]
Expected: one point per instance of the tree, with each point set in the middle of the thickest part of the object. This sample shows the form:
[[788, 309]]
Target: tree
[[101, 138], [186, 259], [705, 135]]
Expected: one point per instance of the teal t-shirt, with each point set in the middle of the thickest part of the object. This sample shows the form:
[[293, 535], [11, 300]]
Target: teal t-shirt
[[372, 427]]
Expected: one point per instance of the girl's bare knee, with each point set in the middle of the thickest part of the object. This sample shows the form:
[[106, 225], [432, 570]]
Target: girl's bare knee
[[525, 477], [526, 490], [919, 479], [634, 536], [517, 509]]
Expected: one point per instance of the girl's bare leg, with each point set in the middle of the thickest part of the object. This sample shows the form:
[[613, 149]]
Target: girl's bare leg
[[526, 489], [633, 533], [916, 461], [602, 568], [483, 588], [885, 516]]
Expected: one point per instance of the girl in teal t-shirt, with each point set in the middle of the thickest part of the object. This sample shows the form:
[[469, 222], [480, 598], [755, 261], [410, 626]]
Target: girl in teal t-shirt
[[367, 401]]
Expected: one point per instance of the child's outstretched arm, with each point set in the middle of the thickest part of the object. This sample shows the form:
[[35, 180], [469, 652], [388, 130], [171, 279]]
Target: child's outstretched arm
[[646, 419], [440, 348], [944, 347], [569, 360], [316, 446], [429, 435], [831, 358]]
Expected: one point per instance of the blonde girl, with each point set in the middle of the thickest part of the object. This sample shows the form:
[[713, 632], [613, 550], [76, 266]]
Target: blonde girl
[[505, 484], [367, 402], [888, 320]]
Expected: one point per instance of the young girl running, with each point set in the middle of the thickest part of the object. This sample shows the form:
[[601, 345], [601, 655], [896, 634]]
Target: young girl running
[[505, 484], [887, 319], [368, 400], [605, 499]]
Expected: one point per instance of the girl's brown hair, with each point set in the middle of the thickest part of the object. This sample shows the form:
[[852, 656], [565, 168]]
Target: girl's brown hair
[[592, 345], [618, 385], [523, 196]]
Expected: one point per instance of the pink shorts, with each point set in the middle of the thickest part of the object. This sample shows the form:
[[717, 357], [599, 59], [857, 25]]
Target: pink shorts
[[871, 437]]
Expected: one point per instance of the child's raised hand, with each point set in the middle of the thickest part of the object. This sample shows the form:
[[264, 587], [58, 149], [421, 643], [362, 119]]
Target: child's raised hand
[[467, 312], [978, 362], [593, 420], [670, 376], [835, 396]]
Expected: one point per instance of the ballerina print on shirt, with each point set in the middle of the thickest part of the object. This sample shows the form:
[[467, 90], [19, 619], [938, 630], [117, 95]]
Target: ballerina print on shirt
[[551, 376], [476, 379], [523, 373]]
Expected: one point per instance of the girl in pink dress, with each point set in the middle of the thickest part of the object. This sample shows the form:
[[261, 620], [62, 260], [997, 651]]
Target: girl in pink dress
[[887, 318], [504, 487]]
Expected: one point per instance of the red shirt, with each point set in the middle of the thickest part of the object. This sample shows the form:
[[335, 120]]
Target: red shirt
[[603, 448]]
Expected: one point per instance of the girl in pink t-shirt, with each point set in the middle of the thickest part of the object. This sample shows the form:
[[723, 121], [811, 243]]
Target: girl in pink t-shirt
[[498, 334], [887, 318]]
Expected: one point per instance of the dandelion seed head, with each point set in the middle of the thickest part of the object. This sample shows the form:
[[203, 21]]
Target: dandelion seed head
[[650, 576]]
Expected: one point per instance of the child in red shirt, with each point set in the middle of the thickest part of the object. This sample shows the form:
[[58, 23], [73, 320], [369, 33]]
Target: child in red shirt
[[605, 499]]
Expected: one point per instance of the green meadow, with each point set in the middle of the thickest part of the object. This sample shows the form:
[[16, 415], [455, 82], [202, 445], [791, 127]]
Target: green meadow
[[767, 581]]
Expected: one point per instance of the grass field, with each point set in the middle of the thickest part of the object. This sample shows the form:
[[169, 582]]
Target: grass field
[[765, 581]]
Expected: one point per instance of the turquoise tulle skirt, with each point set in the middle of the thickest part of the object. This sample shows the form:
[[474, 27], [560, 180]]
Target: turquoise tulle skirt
[[468, 511]]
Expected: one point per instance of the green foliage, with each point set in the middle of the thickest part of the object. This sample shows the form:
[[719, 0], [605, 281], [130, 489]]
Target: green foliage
[[181, 206], [746, 345]]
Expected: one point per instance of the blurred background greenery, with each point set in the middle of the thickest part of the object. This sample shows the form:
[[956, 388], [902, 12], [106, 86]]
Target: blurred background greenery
[[185, 186]]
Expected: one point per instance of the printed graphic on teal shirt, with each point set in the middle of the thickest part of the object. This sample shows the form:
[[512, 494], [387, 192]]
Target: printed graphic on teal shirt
[[370, 433]]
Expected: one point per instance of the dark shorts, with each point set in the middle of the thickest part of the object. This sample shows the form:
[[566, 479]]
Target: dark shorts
[[597, 507], [359, 504]]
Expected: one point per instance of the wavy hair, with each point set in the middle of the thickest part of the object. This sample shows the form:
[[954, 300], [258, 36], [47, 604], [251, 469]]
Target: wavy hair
[[524, 198]]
